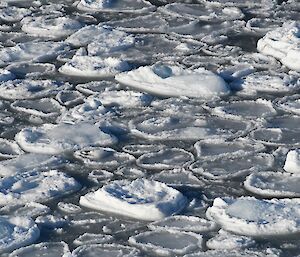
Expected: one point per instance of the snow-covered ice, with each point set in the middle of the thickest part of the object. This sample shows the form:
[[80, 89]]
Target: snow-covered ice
[[292, 162], [141, 199], [88, 238]]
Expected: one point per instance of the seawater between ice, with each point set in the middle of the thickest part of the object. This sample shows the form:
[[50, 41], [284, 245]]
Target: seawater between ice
[[149, 128]]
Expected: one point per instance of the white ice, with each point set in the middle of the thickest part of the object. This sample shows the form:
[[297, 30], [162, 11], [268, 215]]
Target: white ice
[[32, 70], [283, 44], [290, 104], [9, 149], [35, 186], [94, 67], [6, 75], [68, 207], [140, 199], [256, 217], [90, 238], [273, 184], [50, 221], [169, 158], [95, 87], [16, 232], [13, 14], [138, 150], [292, 162], [69, 98], [167, 243], [164, 80], [55, 139], [98, 176]]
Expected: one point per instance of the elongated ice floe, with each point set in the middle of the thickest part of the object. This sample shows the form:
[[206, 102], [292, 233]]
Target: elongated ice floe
[[28, 162], [165, 159], [17, 232], [54, 139], [256, 217], [50, 26], [13, 13], [184, 223], [47, 249], [94, 67], [140, 199], [290, 104], [35, 186], [283, 44], [292, 162], [273, 184], [9, 149], [164, 80], [140, 149], [167, 243], [90, 238], [30, 89], [269, 252]]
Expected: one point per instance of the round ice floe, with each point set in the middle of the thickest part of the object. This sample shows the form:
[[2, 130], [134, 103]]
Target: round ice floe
[[17, 232], [273, 184], [94, 67], [9, 149], [99, 176], [130, 172], [95, 87], [53, 249], [209, 150], [229, 168], [168, 81], [32, 70], [184, 223], [68, 207], [45, 107], [13, 14], [54, 139], [264, 83], [257, 218], [35, 186], [111, 250], [202, 12], [30, 89], [226, 240], [178, 178], [174, 127], [27, 162], [69, 98], [50, 26], [290, 104], [165, 159], [6, 75], [167, 243], [103, 157], [138, 150], [283, 44], [31, 51], [124, 98], [125, 6], [292, 162], [259, 108], [89, 238], [141, 199]]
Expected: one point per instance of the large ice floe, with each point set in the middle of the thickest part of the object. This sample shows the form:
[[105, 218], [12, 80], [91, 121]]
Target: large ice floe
[[256, 217], [164, 80], [35, 186], [283, 44], [16, 232], [55, 139], [140, 199]]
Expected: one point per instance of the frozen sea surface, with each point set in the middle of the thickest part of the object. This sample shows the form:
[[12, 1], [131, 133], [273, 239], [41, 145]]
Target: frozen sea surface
[[149, 128]]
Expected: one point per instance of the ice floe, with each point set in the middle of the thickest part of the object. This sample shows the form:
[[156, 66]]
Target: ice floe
[[184, 223], [112, 250], [17, 232], [167, 243], [47, 249], [45, 107], [35, 186], [68, 207], [226, 240], [31, 51], [89, 238], [164, 80], [292, 162], [141, 199], [98, 176], [51, 221], [273, 184], [94, 67], [256, 217], [50, 26], [95, 87], [13, 14], [55, 139], [221, 149], [283, 44], [174, 127], [103, 157], [30, 89], [6, 75], [230, 168], [138, 150], [69, 98], [289, 104], [127, 6], [9, 149], [165, 159], [30, 161], [31, 209]]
